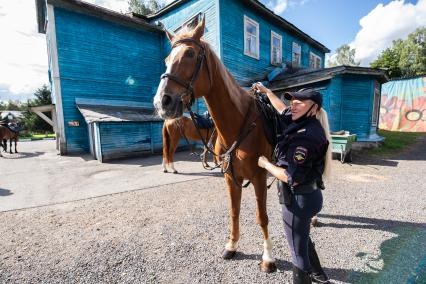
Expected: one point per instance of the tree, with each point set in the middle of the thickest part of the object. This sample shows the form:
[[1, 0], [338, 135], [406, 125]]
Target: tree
[[405, 58], [345, 55], [144, 7], [31, 121]]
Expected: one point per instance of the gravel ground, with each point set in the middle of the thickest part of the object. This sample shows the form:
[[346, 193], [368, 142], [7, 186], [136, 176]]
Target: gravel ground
[[372, 230]]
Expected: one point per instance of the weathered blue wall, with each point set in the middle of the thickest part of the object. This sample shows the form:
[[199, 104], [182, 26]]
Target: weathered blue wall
[[136, 136], [357, 103], [243, 67], [100, 59]]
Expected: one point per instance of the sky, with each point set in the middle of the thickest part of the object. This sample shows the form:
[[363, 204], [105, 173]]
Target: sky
[[369, 26]]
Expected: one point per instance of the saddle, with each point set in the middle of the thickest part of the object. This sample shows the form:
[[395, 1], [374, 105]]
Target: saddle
[[203, 121], [11, 126], [272, 123]]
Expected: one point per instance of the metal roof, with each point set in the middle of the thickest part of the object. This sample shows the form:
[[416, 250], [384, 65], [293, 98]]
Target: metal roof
[[94, 110], [307, 76], [130, 19]]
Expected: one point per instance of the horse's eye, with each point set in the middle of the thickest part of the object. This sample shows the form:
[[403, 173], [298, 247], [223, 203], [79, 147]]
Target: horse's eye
[[189, 53]]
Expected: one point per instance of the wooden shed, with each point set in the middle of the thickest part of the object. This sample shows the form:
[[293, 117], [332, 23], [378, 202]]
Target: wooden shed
[[351, 96]]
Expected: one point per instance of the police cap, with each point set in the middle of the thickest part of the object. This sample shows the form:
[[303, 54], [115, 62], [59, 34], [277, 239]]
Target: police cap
[[305, 94]]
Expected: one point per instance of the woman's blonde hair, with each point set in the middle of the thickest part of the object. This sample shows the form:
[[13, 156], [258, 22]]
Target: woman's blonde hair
[[323, 119]]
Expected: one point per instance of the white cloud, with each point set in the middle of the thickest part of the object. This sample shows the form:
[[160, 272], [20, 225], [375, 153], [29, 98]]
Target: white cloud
[[384, 24], [23, 56]]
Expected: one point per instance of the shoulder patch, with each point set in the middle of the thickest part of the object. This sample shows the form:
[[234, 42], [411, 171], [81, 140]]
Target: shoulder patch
[[300, 155]]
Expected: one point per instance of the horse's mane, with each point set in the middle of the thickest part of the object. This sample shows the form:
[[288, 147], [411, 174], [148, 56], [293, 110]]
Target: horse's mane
[[219, 68]]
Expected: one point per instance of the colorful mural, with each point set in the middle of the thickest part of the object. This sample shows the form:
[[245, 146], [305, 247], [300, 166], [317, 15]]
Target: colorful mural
[[403, 105]]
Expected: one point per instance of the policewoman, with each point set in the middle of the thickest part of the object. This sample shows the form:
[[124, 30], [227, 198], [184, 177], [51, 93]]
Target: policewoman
[[302, 160]]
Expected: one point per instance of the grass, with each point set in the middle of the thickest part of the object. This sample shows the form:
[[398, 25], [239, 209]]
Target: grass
[[37, 136], [395, 142]]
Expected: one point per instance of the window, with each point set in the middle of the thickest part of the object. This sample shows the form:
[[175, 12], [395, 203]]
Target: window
[[314, 61], [376, 104], [190, 24], [296, 54], [251, 38], [276, 49]]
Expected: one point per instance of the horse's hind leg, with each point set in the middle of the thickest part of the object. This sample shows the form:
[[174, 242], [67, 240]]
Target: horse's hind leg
[[10, 146], [234, 195], [259, 183], [4, 144], [16, 143]]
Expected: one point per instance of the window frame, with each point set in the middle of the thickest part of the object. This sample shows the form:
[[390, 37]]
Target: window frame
[[280, 38], [292, 53], [197, 16], [315, 57], [253, 22], [375, 112]]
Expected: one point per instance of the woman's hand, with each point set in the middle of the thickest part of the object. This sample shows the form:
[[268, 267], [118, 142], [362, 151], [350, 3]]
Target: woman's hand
[[259, 87], [262, 162]]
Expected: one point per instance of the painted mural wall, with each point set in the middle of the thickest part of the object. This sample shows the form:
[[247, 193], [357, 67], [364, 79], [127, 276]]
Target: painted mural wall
[[403, 105]]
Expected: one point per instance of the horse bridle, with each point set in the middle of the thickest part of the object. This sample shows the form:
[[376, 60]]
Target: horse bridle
[[188, 85], [228, 155]]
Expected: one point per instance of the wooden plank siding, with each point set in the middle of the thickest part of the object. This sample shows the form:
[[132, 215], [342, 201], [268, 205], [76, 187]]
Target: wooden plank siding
[[135, 136], [245, 68], [101, 59], [357, 102]]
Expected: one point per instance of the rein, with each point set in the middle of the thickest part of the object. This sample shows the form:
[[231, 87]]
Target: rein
[[227, 157]]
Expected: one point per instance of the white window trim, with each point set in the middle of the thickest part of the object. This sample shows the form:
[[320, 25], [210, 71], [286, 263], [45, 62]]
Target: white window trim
[[185, 23], [248, 20], [315, 56], [274, 34], [300, 54]]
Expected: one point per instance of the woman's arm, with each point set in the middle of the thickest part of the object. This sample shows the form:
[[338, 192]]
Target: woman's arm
[[278, 104], [277, 172]]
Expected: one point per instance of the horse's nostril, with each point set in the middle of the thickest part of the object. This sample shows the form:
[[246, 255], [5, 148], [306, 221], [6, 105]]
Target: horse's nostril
[[166, 100]]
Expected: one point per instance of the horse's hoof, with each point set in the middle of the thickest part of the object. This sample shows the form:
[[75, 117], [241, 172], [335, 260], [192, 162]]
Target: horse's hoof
[[164, 171], [268, 267], [228, 254], [175, 171]]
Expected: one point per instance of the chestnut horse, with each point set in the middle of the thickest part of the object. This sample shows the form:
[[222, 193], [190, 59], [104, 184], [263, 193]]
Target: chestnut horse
[[183, 127], [7, 134], [193, 71]]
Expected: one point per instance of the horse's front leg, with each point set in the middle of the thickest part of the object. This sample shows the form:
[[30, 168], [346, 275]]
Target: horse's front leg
[[16, 143], [259, 183], [234, 197], [10, 146]]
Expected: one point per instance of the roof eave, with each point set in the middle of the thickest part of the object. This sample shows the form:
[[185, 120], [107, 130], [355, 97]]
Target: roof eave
[[97, 11]]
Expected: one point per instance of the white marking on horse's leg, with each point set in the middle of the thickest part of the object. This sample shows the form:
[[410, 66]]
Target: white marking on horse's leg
[[231, 245], [267, 251], [164, 165], [172, 166]]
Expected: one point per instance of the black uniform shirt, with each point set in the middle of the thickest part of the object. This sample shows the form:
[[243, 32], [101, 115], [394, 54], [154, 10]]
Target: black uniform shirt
[[301, 150]]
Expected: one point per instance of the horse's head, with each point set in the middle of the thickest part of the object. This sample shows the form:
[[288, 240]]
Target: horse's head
[[186, 77]]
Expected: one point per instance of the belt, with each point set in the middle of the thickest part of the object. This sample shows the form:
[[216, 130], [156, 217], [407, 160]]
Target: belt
[[305, 188]]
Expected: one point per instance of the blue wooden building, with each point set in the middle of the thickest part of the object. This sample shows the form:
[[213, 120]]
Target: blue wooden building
[[105, 67]]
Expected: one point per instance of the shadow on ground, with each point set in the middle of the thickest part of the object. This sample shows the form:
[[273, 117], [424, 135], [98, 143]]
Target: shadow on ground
[[402, 258], [5, 192]]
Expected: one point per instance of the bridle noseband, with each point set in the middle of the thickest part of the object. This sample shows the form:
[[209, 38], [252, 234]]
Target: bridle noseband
[[188, 85]]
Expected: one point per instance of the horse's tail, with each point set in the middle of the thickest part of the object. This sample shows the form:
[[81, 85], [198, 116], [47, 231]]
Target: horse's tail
[[166, 143]]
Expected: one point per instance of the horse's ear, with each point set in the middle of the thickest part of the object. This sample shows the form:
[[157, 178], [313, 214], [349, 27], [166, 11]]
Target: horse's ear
[[169, 35], [199, 29]]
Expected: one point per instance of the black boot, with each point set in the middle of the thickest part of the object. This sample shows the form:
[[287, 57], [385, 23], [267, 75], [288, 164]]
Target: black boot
[[300, 276], [318, 275]]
